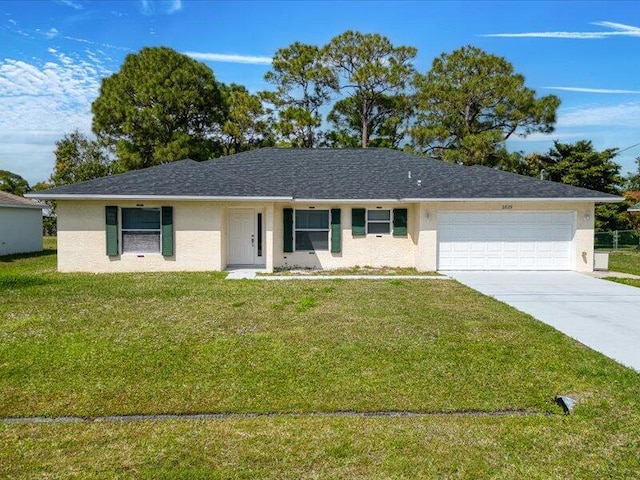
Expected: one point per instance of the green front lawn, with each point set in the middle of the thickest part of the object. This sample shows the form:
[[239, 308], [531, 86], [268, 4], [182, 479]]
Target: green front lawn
[[82, 344], [626, 262]]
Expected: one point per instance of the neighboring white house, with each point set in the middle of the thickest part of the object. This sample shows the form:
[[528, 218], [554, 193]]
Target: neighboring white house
[[323, 208], [20, 224]]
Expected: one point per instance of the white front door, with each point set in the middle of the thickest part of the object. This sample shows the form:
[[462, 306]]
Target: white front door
[[242, 236], [505, 241]]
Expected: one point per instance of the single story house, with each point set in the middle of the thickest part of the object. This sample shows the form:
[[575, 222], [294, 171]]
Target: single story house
[[20, 224], [323, 208]]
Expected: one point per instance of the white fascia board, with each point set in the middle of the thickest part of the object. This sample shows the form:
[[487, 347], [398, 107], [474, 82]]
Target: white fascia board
[[62, 196], [12, 205], [347, 200], [517, 199]]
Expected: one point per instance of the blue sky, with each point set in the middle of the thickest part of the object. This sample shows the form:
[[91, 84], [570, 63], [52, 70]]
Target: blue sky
[[54, 54]]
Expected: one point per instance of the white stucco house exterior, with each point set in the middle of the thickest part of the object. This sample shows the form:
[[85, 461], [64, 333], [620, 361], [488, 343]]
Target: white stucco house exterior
[[20, 224], [323, 208]]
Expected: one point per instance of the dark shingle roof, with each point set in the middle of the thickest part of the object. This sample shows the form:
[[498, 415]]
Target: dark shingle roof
[[11, 200], [373, 173]]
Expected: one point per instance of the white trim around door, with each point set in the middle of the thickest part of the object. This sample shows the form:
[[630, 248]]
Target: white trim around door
[[246, 237]]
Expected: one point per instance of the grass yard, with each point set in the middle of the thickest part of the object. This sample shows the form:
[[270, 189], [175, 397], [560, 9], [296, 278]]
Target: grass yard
[[90, 345], [626, 262]]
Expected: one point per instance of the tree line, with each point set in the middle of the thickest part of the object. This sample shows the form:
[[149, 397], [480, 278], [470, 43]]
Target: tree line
[[358, 90]]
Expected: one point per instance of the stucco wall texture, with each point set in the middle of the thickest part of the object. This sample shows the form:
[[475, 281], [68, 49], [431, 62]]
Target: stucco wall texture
[[201, 236], [20, 230]]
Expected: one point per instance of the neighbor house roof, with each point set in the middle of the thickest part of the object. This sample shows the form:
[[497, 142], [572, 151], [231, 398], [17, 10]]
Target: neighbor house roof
[[11, 200], [635, 208], [323, 174]]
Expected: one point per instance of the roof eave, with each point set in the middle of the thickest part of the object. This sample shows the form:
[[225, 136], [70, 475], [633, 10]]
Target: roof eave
[[75, 196], [520, 199], [17, 205], [44, 196]]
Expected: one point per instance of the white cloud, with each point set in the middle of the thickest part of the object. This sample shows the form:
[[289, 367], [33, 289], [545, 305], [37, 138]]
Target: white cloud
[[174, 6], [546, 137], [616, 30], [106, 45], [593, 90], [159, 7], [622, 115], [617, 26], [230, 58], [70, 3], [41, 101], [51, 33], [576, 35]]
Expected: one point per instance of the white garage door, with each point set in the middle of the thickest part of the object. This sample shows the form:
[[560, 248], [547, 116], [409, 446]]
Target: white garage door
[[505, 241]]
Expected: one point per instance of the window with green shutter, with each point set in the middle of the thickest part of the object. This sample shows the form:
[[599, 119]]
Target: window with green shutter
[[358, 220], [287, 215], [336, 233], [111, 228], [399, 222]]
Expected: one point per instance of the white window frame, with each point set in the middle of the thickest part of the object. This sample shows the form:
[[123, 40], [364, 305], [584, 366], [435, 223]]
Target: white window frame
[[296, 229], [389, 222], [123, 230]]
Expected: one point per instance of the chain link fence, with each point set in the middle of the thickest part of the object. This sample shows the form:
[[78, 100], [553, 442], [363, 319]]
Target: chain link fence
[[617, 240]]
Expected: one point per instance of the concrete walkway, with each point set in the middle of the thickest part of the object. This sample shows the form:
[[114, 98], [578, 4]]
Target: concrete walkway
[[353, 277], [243, 273], [598, 313]]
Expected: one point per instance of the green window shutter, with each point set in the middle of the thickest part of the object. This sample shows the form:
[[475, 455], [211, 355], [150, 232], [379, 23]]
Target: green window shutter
[[399, 222], [111, 228], [167, 231], [358, 218], [336, 233], [288, 229]]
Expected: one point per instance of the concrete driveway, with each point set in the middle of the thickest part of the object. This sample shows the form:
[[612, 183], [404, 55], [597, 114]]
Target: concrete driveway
[[601, 314]]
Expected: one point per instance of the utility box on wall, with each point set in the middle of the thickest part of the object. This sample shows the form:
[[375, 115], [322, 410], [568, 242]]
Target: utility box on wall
[[601, 261]]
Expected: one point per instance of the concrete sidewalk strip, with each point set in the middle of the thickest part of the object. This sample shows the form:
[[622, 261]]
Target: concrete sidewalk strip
[[352, 277], [601, 314]]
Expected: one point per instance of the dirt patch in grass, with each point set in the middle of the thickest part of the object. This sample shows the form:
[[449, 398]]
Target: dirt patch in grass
[[399, 271]]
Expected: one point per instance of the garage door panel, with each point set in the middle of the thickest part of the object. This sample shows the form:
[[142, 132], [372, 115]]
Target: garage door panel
[[477, 262], [544, 247], [477, 247], [461, 247], [505, 241], [527, 247], [511, 247], [493, 247]]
